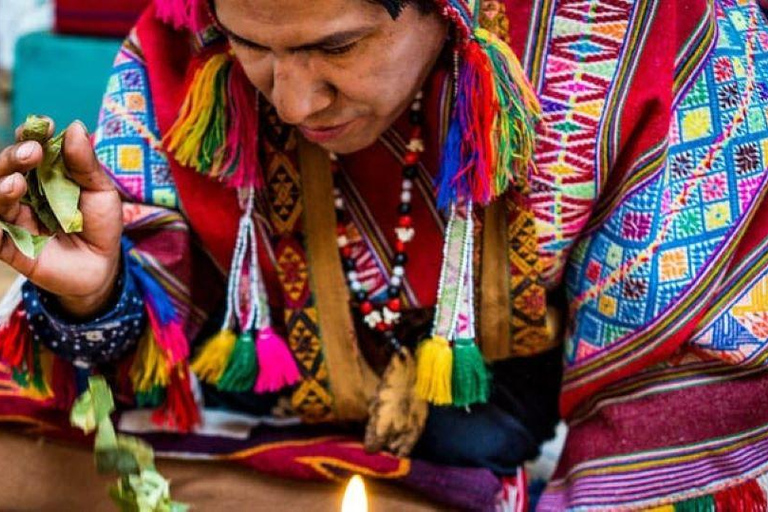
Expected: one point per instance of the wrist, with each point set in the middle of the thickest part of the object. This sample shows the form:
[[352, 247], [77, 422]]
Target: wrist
[[90, 305]]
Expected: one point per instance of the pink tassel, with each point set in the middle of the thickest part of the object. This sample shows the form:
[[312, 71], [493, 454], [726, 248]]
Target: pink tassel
[[183, 14], [170, 338], [241, 147], [277, 368]]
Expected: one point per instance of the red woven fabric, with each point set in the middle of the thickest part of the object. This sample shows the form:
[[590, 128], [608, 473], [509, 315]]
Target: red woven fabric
[[107, 18]]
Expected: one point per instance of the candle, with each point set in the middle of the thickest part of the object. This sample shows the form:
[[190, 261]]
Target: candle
[[355, 499]]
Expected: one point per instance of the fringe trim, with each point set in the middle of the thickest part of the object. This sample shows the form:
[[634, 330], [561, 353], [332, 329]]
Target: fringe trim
[[216, 130], [749, 496]]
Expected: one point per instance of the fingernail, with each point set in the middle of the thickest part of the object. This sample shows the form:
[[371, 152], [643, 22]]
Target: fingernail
[[6, 186], [83, 129], [24, 152]]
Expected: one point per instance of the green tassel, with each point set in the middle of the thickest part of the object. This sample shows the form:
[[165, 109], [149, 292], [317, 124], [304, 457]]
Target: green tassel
[[700, 504], [470, 379], [240, 374], [20, 377], [214, 137], [152, 398]]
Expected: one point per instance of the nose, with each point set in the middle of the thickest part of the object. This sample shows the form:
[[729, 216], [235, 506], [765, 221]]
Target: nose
[[298, 91]]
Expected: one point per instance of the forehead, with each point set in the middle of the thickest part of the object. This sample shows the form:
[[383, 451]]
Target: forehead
[[297, 15]]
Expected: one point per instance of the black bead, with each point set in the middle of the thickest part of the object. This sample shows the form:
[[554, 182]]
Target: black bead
[[404, 208], [339, 214], [361, 296], [401, 258], [393, 292], [349, 264], [389, 335], [416, 117], [410, 171]]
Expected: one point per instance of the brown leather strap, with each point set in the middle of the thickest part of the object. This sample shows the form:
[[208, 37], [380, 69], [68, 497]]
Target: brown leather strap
[[494, 283], [352, 381]]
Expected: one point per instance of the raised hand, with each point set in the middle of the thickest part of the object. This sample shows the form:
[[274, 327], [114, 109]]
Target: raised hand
[[80, 268]]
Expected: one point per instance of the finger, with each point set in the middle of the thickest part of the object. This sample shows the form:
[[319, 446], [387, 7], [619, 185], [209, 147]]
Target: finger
[[81, 161], [51, 128], [12, 188], [20, 157]]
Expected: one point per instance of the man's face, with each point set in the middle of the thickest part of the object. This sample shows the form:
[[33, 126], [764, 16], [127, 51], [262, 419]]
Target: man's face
[[340, 70]]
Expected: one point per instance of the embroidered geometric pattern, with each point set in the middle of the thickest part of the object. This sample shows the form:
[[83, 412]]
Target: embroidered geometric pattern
[[124, 139], [583, 54], [716, 200]]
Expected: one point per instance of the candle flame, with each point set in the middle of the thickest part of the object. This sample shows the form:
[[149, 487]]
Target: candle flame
[[355, 499]]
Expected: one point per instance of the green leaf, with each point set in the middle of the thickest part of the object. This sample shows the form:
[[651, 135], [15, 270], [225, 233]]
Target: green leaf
[[62, 194], [35, 128], [28, 244]]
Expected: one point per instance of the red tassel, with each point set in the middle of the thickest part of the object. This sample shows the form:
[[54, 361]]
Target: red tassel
[[747, 497], [15, 340], [63, 384], [241, 146], [179, 411]]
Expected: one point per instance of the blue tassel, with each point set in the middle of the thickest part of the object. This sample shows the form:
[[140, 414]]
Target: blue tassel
[[154, 295]]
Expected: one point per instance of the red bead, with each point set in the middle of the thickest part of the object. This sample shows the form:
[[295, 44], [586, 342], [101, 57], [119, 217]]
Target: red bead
[[411, 158], [399, 246], [416, 132], [346, 251], [382, 326], [366, 307], [394, 305], [405, 221], [341, 230]]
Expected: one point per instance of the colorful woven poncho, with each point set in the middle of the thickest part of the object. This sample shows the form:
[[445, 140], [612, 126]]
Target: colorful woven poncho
[[642, 213]]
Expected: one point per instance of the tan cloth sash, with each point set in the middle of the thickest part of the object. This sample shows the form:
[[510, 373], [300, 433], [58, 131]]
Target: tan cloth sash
[[352, 381]]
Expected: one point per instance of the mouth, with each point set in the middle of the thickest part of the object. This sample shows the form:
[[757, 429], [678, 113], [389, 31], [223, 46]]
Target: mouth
[[324, 134]]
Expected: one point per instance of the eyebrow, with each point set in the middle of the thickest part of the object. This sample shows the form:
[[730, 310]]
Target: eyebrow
[[330, 41]]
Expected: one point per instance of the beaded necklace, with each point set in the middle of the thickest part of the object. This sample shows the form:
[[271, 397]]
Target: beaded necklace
[[385, 316]]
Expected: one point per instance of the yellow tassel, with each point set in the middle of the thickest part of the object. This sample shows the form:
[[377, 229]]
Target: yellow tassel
[[184, 138], [212, 360], [433, 373], [150, 368]]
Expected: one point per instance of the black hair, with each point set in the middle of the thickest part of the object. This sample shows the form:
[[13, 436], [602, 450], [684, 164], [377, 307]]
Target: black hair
[[395, 7]]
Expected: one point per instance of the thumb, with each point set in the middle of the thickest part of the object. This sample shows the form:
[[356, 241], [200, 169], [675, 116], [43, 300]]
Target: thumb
[[81, 161]]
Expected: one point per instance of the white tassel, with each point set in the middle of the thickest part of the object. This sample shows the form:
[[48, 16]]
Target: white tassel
[[11, 300]]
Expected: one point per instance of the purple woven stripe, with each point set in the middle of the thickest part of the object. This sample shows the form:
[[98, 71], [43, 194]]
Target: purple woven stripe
[[673, 479]]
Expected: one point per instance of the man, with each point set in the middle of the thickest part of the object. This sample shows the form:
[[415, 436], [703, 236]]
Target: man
[[646, 180]]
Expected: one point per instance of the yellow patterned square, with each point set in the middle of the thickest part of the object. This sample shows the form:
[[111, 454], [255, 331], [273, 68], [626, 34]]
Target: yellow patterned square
[[696, 123], [673, 264], [717, 215], [135, 102], [130, 158], [607, 305]]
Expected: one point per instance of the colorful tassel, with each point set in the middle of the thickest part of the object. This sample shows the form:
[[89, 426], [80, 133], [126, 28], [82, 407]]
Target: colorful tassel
[[216, 131], [434, 368], [491, 135], [277, 366], [150, 370], [180, 411], [240, 374], [470, 380], [212, 360]]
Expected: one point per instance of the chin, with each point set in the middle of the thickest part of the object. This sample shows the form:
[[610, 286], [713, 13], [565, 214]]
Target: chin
[[350, 144]]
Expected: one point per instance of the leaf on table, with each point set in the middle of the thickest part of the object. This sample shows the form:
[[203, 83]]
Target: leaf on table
[[28, 244]]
